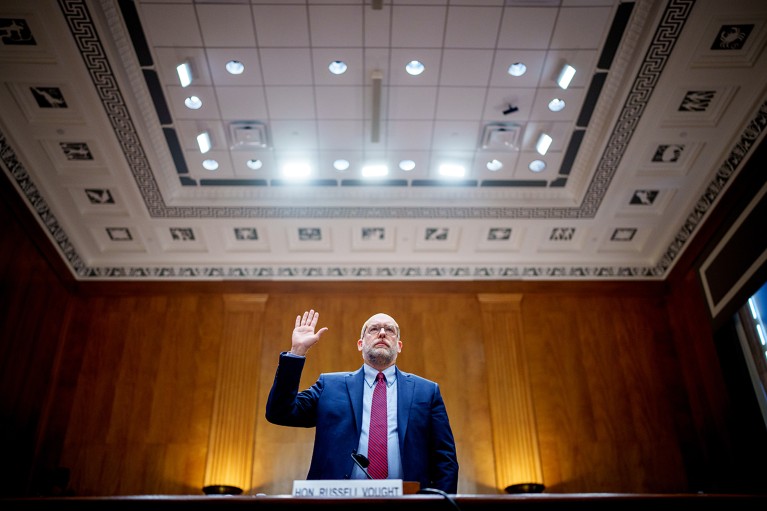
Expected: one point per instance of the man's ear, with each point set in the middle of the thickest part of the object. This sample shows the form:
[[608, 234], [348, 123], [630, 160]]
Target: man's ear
[[359, 345], [399, 346]]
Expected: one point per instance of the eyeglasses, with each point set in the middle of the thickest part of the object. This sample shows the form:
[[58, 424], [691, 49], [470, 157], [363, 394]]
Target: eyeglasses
[[389, 330]]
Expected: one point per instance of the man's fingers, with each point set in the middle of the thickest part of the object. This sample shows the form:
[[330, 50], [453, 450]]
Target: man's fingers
[[322, 331]]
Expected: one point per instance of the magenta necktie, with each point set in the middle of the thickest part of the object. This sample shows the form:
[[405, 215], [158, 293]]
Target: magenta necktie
[[379, 431]]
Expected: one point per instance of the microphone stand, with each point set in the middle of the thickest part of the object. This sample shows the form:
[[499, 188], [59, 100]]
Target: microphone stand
[[362, 461]]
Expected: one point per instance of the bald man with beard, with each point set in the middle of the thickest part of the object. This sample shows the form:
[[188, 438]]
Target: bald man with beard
[[420, 445]]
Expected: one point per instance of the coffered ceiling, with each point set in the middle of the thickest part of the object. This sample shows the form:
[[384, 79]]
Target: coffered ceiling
[[667, 101]]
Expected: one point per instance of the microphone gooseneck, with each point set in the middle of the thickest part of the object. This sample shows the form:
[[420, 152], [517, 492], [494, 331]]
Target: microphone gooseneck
[[362, 461]]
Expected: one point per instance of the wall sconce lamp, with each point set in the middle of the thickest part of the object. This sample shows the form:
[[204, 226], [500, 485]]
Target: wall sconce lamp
[[184, 72], [510, 110], [203, 141], [543, 144], [221, 489], [565, 76]]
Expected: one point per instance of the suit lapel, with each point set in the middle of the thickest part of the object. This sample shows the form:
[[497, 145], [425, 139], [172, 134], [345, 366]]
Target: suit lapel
[[354, 383], [405, 387]]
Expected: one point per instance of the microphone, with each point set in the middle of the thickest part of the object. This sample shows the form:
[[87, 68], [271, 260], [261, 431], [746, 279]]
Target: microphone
[[362, 461]]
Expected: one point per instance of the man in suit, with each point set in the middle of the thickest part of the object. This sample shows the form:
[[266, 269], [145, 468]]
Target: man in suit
[[349, 410]]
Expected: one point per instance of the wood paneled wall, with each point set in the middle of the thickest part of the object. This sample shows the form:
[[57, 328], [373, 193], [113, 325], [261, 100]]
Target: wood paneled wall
[[121, 388]]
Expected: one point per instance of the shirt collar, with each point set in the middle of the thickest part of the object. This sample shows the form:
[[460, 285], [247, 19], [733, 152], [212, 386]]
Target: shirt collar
[[371, 373]]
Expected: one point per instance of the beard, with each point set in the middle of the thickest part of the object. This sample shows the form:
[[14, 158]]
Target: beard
[[379, 355]]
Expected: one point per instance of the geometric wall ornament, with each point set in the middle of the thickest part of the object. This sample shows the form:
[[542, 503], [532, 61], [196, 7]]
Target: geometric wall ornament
[[48, 97], [119, 234], [373, 237], [76, 151], [182, 234], [99, 196], [562, 234], [697, 101], [15, 32], [436, 237], [643, 197], [732, 37], [623, 234], [309, 238], [245, 233], [701, 106]]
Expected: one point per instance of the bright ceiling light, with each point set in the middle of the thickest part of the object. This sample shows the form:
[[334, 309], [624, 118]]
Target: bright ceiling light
[[537, 166], [341, 165], [517, 69], [407, 165], [452, 170], [210, 165], [184, 74], [193, 103], [543, 144], [557, 105], [296, 170], [235, 67], [565, 76], [494, 165], [337, 67], [203, 140], [414, 68], [377, 170], [254, 164]]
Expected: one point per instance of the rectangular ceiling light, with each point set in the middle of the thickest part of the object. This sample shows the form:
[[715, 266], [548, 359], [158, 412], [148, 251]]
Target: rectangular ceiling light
[[296, 170], [375, 127], [203, 140], [544, 141], [375, 171], [452, 170], [184, 74], [565, 76]]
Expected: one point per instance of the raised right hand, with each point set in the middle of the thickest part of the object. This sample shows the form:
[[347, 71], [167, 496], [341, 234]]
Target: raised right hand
[[304, 336]]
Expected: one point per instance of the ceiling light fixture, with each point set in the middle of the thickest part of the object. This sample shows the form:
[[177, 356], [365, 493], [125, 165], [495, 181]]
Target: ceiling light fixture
[[193, 103], [517, 69], [543, 144], [377, 170], [565, 76], [537, 166], [557, 105], [296, 170], [337, 67], [494, 165], [414, 68], [254, 164], [341, 165], [452, 170], [235, 67], [184, 71], [210, 165], [407, 165], [203, 141]]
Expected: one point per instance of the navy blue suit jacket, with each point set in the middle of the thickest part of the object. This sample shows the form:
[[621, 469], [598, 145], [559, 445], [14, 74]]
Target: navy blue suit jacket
[[334, 406]]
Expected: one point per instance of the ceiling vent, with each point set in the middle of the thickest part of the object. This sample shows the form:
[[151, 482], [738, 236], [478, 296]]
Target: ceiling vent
[[248, 135], [501, 136]]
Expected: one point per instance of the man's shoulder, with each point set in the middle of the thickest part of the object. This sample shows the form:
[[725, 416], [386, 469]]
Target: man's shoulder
[[415, 378]]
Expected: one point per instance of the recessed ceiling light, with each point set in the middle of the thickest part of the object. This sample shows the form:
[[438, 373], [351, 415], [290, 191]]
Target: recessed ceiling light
[[376, 170], [407, 165], [193, 102], [414, 68], [210, 165], [556, 105], [296, 170], [341, 165], [184, 72], [565, 76], [337, 67], [537, 166], [517, 69], [235, 67], [452, 170], [543, 144], [254, 164], [203, 141], [494, 165]]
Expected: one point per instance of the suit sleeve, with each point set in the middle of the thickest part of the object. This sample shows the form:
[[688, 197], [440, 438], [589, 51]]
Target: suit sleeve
[[443, 460], [286, 406]]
